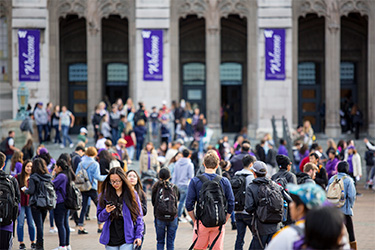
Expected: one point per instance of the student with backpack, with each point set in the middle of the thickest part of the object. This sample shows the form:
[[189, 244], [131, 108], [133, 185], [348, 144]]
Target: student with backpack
[[346, 199], [63, 176], [305, 197], [7, 147], [308, 174], [207, 191], [164, 199], [285, 165], [264, 201], [25, 211], [120, 209], [239, 183], [42, 196], [10, 197]]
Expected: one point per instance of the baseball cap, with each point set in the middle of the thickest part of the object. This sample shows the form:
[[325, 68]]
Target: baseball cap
[[83, 130], [43, 151], [259, 167], [311, 195]]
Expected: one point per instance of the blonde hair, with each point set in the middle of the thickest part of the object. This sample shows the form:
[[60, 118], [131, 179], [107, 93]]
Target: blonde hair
[[211, 159], [91, 152], [141, 122]]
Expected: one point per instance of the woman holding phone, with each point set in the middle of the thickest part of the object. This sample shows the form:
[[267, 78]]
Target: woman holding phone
[[121, 211]]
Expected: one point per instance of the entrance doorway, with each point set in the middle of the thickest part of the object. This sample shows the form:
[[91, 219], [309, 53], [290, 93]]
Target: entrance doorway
[[194, 85], [117, 81]]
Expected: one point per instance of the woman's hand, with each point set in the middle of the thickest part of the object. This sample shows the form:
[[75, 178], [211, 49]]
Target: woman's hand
[[110, 208], [137, 242]]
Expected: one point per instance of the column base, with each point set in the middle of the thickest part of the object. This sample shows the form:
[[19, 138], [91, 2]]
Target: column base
[[217, 132], [371, 130], [333, 131], [251, 130]]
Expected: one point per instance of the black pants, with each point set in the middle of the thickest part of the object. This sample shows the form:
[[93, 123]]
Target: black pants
[[349, 227], [62, 223], [39, 215], [85, 198], [5, 240]]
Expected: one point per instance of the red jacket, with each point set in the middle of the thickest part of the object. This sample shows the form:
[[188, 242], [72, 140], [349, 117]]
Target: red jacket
[[303, 162]]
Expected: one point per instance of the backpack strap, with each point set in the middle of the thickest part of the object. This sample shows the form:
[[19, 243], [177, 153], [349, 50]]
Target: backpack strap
[[216, 238], [202, 178]]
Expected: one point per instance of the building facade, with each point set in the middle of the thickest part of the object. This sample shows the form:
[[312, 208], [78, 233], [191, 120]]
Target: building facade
[[213, 56]]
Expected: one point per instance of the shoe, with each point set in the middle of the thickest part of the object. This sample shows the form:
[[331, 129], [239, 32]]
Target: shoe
[[359, 195], [62, 146], [234, 226], [82, 231], [182, 220], [100, 230], [60, 248], [33, 245], [68, 247], [52, 231], [71, 145], [71, 229], [87, 218], [22, 246]]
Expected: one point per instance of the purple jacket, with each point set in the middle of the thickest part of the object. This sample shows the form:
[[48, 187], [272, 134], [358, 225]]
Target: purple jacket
[[331, 167], [282, 150], [60, 187], [132, 230]]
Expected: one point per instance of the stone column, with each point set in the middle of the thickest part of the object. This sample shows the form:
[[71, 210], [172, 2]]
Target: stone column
[[332, 67], [295, 65], [252, 77], [94, 57], [371, 72], [54, 54], [175, 53], [213, 58]]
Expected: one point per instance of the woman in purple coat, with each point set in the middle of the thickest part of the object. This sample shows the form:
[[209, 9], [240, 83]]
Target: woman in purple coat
[[121, 211], [331, 165]]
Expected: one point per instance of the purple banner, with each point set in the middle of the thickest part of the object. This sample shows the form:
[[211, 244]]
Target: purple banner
[[28, 55], [275, 54], [152, 55]]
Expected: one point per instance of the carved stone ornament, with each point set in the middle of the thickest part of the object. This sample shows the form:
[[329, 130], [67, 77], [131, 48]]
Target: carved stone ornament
[[318, 7], [75, 7], [93, 18], [348, 6], [240, 7], [191, 7], [115, 7]]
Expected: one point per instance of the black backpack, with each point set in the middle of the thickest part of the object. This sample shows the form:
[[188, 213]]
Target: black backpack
[[4, 145], [238, 183], [271, 203], [45, 197], [166, 202], [8, 201], [73, 197], [369, 158], [212, 204]]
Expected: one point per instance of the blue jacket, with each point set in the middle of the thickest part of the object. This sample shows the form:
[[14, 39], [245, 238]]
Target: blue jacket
[[350, 193], [196, 185], [93, 171], [132, 230]]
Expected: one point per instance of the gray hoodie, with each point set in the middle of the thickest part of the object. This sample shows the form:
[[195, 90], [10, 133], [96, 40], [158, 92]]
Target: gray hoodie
[[40, 116], [183, 172]]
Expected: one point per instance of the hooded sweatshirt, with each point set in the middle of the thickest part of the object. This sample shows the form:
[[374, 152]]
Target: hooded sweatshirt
[[183, 172]]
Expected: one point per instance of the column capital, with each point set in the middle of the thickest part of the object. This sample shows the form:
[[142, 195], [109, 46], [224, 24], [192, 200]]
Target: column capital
[[93, 19]]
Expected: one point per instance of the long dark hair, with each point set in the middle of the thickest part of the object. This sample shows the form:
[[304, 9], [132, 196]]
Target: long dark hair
[[23, 174], [46, 157], [127, 195], [29, 144], [39, 166], [66, 169], [138, 187]]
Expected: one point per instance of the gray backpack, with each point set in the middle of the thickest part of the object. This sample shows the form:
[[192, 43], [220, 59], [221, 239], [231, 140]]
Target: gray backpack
[[82, 179]]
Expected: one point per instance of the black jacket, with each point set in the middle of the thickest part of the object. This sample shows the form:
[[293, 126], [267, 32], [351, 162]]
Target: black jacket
[[252, 202], [321, 177], [290, 177], [304, 178], [15, 185]]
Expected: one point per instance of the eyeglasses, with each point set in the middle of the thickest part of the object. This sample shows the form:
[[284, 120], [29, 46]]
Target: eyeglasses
[[115, 182]]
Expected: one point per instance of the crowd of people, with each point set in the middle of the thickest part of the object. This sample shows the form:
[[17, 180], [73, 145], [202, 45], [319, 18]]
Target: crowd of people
[[301, 200]]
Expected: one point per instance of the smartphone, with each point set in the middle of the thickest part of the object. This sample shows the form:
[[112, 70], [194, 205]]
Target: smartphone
[[136, 247], [111, 203]]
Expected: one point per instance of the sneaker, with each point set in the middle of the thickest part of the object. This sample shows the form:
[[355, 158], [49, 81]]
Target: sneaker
[[22, 246], [72, 229], [52, 231], [182, 220], [87, 218], [62, 146], [100, 230], [71, 145], [82, 231], [68, 247], [234, 226], [60, 248], [33, 246]]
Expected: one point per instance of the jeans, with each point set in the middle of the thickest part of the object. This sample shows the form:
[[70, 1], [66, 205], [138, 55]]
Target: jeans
[[51, 218], [183, 194], [40, 131], [131, 151], [265, 239], [7, 158], [62, 223], [85, 198], [65, 133], [25, 211], [243, 221], [154, 127], [115, 136], [139, 149], [39, 216], [57, 135], [122, 247], [162, 227]]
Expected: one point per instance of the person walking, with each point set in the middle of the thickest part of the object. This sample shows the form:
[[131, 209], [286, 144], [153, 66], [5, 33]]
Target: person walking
[[164, 199], [285, 165], [66, 122], [25, 209], [212, 235], [63, 177], [331, 165], [343, 169], [9, 147], [140, 132], [120, 209], [55, 120], [41, 120], [93, 173], [236, 161], [355, 165], [308, 174], [28, 150], [182, 174], [114, 121], [39, 176], [148, 159]]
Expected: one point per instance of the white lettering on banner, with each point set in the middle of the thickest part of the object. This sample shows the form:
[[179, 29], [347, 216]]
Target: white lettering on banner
[[153, 63], [22, 34], [30, 56], [268, 33], [275, 62]]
